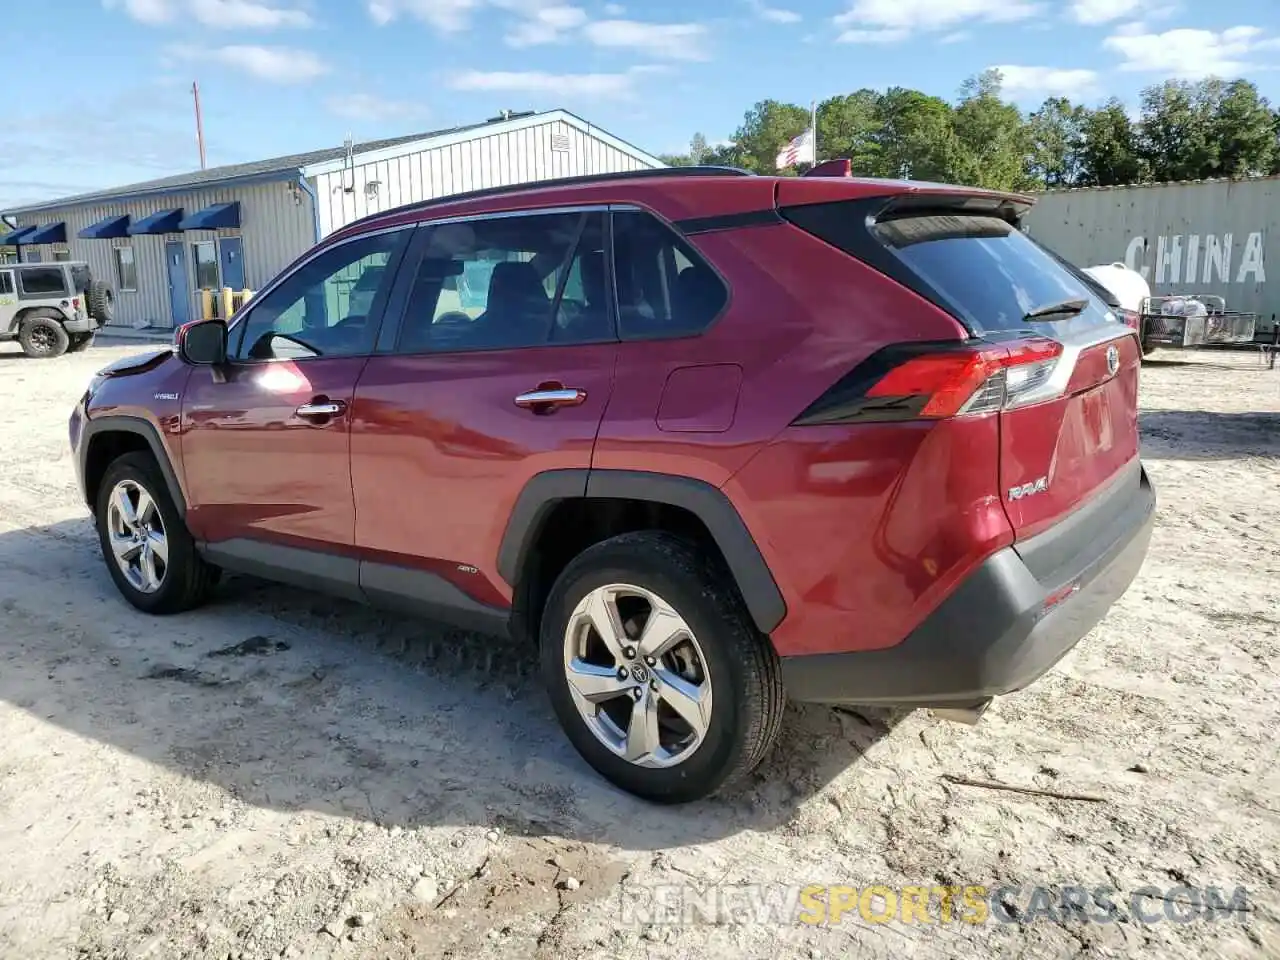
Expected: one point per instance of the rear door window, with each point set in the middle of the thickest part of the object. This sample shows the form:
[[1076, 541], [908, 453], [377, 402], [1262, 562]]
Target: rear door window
[[42, 282], [990, 273], [665, 289]]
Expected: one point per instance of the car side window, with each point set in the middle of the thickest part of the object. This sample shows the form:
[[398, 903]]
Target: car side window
[[6, 283], [42, 282], [329, 307], [504, 282], [665, 288]]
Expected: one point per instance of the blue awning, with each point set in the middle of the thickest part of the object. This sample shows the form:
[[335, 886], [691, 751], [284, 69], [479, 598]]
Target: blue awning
[[49, 233], [163, 221], [112, 228], [17, 237], [220, 216]]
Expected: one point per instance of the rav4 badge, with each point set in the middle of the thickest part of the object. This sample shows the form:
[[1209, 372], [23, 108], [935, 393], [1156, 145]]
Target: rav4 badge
[[1027, 489]]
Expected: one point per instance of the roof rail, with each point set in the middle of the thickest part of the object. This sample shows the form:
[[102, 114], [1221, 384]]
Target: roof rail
[[648, 172]]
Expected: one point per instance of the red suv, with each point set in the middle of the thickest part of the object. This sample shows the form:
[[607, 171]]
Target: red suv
[[711, 440]]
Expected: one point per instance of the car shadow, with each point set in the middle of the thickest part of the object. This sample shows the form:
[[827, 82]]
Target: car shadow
[[1206, 435], [296, 702]]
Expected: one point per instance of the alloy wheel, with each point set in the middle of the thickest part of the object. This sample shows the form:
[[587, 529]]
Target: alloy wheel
[[136, 532], [637, 675]]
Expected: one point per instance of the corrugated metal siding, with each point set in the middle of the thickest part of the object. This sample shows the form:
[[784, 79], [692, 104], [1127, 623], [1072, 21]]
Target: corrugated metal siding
[[275, 229], [519, 156], [1216, 237]]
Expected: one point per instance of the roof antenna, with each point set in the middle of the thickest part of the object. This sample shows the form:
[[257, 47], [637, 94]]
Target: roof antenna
[[195, 93]]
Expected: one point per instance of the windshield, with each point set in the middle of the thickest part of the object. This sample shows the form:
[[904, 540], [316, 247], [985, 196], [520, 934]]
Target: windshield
[[991, 274]]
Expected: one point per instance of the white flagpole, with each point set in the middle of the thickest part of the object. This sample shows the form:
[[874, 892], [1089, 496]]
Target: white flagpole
[[813, 119]]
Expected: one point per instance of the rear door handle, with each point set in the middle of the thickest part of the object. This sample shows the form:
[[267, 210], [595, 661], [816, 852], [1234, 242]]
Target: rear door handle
[[322, 408], [543, 400]]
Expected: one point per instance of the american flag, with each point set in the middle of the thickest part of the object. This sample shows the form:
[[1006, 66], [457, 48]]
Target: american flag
[[799, 150]]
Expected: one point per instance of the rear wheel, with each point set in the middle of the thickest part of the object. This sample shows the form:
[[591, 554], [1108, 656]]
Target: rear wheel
[[100, 301], [150, 554], [43, 336], [655, 670]]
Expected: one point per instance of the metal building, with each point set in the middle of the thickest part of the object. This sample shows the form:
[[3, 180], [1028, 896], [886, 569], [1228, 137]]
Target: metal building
[[1207, 236], [159, 243]]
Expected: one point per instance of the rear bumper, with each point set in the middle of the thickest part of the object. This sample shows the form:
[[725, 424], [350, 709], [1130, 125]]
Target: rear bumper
[[994, 635], [86, 325]]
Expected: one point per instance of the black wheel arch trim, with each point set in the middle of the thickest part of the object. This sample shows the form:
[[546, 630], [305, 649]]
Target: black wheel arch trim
[[544, 491], [148, 432]]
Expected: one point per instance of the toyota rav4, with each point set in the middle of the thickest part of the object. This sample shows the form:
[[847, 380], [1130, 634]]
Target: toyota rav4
[[709, 439]]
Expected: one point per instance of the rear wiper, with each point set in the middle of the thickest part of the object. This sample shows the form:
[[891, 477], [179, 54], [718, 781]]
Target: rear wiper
[[1066, 308]]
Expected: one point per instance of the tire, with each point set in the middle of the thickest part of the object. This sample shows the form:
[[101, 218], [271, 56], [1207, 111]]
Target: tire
[[43, 336], [100, 301], [80, 341], [185, 581], [740, 669]]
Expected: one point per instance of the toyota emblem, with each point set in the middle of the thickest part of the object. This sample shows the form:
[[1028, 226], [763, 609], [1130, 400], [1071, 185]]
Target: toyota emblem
[[1113, 359]]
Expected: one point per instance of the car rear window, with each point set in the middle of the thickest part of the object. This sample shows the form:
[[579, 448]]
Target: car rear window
[[80, 277], [987, 270]]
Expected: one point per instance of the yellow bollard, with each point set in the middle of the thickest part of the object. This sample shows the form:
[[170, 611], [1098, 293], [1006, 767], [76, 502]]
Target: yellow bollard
[[228, 303], [206, 304]]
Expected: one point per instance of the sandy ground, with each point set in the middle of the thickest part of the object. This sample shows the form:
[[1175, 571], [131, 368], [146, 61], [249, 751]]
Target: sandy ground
[[281, 774]]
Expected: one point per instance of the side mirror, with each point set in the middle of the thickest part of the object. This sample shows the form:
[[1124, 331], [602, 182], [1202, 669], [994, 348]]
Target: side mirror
[[203, 343]]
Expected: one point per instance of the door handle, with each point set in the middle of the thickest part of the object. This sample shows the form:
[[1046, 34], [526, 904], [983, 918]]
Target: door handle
[[544, 400], [322, 408]]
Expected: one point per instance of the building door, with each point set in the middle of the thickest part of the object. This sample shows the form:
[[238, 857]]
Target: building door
[[231, 257], [175, 258]]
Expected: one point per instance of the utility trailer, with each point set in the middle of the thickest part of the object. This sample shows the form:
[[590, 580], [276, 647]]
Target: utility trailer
[[1193, 320]]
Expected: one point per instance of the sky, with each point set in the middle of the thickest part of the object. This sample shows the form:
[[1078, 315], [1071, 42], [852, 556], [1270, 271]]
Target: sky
[[285, 76]]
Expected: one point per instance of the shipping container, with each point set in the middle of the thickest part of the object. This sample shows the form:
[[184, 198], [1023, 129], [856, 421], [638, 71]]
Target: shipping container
[[1210, 236]]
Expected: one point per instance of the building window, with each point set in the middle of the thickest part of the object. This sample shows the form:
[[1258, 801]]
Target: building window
[[6, 283], [205, 256], [126, 270], [62, 256]]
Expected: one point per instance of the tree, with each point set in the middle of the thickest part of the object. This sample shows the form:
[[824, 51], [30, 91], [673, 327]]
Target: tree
[[992, 138], [675, 159], [767, 128], [1056, 135], [915, 137], [1174, 132], [1242, 125], [1109, 150], [848, 126], [698, 149]]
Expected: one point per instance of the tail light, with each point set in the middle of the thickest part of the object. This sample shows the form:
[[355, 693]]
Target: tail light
[[75, 303], [935, 381], [1129, 318]]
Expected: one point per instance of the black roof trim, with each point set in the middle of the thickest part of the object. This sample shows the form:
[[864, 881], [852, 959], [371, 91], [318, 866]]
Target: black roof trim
[[514, 188]]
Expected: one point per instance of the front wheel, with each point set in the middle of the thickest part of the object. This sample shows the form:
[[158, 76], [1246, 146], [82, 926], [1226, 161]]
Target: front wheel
[[655, 670], [149, 553]]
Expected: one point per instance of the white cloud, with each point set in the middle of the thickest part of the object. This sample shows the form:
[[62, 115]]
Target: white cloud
[[246, 14], [228, 14], [1105, 11], [367, 106], [595, 85], [872, 17], [774, 14], [1018, 81], [892, 35], [144, 11], [546, 25], [1191, 54], [275, 64], [614, 9], [448, 16], [959, 36], [672, 41]]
